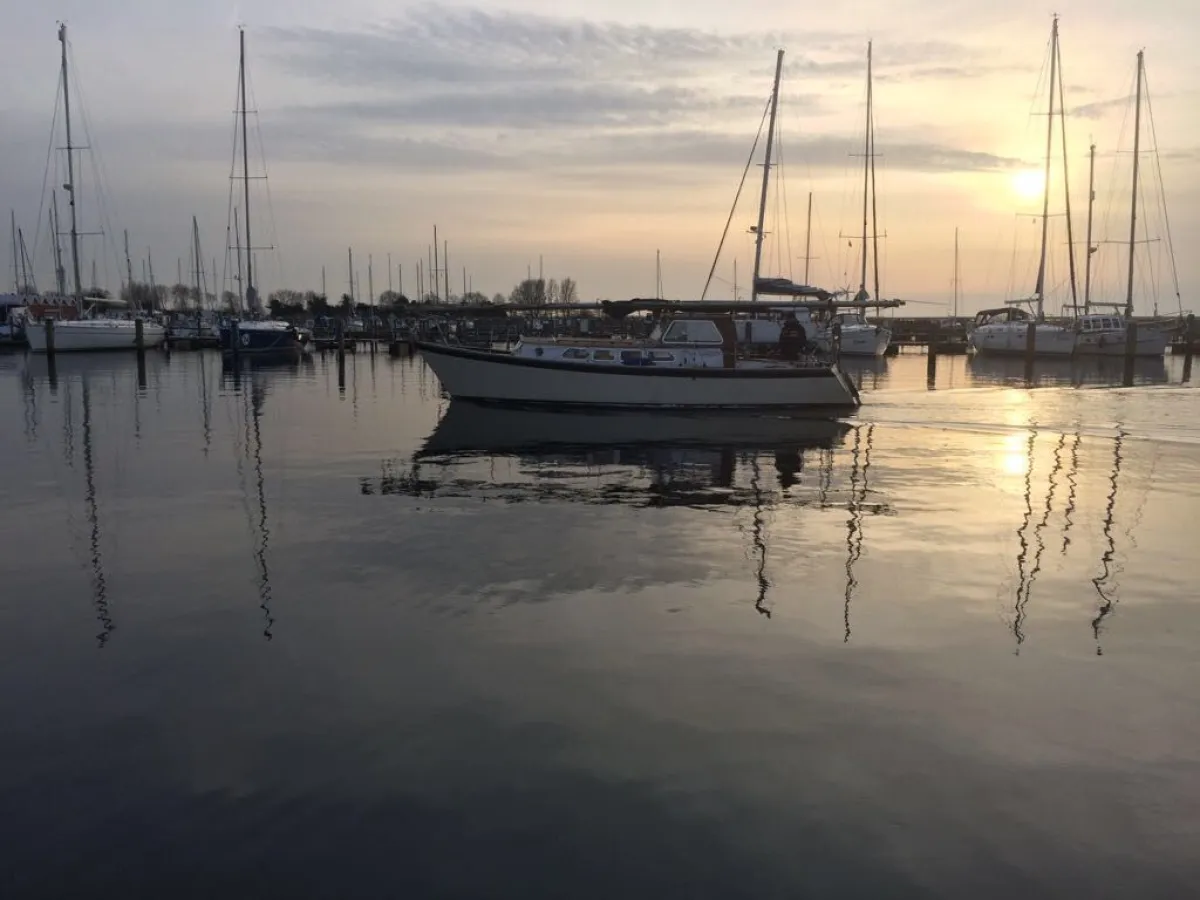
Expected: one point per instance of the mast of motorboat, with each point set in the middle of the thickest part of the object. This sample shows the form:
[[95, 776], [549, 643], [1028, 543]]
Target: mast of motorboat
[[1137, 149], [1062, 108], [237, 242], [1041, 276], [60, 274], [129, 268], [870, 163], [766, 179], [658, 292], [1087, 263], [350, 271], [26, 268], [956, 273], [199, 265], [808, 239], [153, 286], [16, 260], [436, 280], [251, 297], [370, 279], [70, 185]]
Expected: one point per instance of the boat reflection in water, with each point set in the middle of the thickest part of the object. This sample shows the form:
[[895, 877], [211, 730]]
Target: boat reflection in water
[[1076, 371], [698, 461]]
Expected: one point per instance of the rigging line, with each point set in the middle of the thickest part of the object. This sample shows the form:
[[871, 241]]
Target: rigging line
[[1112, 179], [1162, 191], [736, 197], [46, 170], [787, 219], [104, 201], [262, 153]]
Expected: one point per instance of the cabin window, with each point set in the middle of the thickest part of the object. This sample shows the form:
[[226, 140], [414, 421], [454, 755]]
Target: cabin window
[[695, 331], [602, 355], [662, 356], [575, 353], [631, 357], [1108, 324]]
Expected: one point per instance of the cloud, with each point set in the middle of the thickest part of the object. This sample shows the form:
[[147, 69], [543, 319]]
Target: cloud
[[1097, 109]]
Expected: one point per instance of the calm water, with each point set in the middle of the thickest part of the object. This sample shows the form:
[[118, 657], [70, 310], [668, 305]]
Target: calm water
[[269, 636]]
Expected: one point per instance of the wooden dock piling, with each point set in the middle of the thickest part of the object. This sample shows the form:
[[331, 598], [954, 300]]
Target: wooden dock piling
[[1131, 340], [1030, 350]]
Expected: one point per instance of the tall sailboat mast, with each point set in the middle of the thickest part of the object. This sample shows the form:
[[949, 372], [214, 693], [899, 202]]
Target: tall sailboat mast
[[766, 179], [199, 265], [1041, 277], [1137, 149], [60, 274], [70, 185], [1087, 263], [251, 296], [956, 273], [808, 239], [868, 181]]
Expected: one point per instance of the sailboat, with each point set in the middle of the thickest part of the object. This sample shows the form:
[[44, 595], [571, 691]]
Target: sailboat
[[1006, 330], [845, 332], [86, 332], [256, 335], [1107, 334]]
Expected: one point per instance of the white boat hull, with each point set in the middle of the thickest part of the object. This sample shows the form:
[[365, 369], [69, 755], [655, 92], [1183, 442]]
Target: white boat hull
[[1010, 340], [858, 341], [502, 378], [1150, 342], [95, 334]]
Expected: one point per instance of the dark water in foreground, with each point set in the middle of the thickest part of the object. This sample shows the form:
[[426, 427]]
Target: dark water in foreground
[[266, 637]]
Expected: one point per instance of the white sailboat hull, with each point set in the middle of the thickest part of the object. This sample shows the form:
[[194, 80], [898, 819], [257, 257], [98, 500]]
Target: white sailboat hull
[[858, 341], [95, 334], [1010, 340], [1150, 342], [502, 378]]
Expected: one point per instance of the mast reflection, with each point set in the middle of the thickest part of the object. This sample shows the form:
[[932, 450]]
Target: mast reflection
[[92, 507], [1103, 583], [859, 485], [249, 449]]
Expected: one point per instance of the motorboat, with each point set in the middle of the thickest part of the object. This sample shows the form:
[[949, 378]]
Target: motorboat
[[695, 363]]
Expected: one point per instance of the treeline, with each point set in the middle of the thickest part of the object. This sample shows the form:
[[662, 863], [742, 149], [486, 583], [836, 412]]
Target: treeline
[[287, 302]]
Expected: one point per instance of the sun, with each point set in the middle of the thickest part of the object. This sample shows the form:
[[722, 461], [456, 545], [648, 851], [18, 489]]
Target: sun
[[1028, 183]]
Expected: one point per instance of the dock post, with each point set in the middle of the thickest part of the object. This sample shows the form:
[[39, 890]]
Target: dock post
[[931, 361], [341, 340], [1131, 339], [235, 338], [51, 364], [837, 341], [1189, 331], [1030, 350], [139, 335]]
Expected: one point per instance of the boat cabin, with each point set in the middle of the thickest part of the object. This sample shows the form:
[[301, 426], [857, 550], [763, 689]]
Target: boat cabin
[[704, 342], [1092, 324], [1002, 316]]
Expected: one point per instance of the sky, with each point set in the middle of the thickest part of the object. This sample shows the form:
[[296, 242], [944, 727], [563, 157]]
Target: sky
[[598, 139]]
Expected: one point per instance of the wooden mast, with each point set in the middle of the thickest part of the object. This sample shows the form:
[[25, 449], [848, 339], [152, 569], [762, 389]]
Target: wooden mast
[[70, 185], [1041, 276], [1137, 148], [251, 296], [1087, 263], [762, 201]]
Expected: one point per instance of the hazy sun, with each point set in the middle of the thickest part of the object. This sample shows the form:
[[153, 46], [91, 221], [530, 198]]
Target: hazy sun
[[1028, 183]]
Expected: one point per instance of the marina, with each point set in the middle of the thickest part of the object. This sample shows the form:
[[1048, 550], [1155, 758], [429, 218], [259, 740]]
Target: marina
[[516, 473]]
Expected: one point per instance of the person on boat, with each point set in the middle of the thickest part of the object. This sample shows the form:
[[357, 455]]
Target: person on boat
[[792, 338]]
